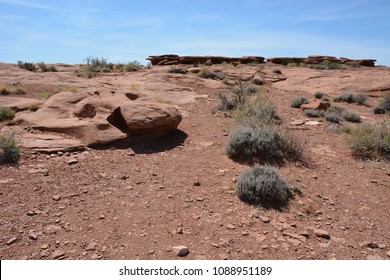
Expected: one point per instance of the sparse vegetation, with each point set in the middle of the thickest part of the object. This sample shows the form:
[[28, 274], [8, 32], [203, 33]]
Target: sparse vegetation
[[27, 66], [259, 113], [336, 109], [6, 114], [370, 141], [359, 98], [321, 95], [313, 113], [34, 107], [263, 185], [206, 73], [344, 97], [9, 152], [351, 116], [4, 91], [178, 70], [233, 96], [47, 94], [96, 65], [326, 65], [333, 117], [384, 106], [297, 102], [19, 91], [45, 68]]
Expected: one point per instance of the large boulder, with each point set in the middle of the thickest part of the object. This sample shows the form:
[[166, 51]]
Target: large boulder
[[150, 117]]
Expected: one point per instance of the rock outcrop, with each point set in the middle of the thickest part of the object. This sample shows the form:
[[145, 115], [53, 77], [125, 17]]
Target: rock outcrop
[[172, 59], [318, 59], [100, 117], [316, 105]]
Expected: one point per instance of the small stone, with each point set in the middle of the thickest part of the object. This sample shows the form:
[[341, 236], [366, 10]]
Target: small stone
[[179, 230], [181, 251], [388, 253], [56, 197], [321, 233], [95, 256], [151, 252], [33, 236], [223, 256], [30, 213], [264, 219], [374, 181], [44, 246], [245, 233], [91, 246], [11, 240], [57, 254], [101, 217], [197, 184], [230, 226], [72, 161], [297, 122]]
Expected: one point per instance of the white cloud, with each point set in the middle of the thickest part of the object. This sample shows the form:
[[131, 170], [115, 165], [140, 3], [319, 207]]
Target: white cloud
[[28, 4]]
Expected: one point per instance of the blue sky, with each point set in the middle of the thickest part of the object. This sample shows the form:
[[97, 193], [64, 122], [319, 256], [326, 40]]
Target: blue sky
[[69, 31]]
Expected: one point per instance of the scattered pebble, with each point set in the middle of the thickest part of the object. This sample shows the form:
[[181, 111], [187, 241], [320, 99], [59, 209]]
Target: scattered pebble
[[11, 240], [230, 226], [181, 251], [321, 233], [56, 197], [72, 161], [91, 246], [33, 236], [264, 219], [58, 254]]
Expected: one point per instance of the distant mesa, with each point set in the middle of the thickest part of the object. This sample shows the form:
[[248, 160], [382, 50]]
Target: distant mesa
[[319, 59], [173, 59]]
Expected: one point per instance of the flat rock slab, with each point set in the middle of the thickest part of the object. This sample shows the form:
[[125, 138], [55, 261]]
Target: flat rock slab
[[18, 103], [49, 143]]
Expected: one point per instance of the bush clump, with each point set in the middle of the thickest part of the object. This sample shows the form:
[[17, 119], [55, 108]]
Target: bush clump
[[6, 114], [251, 145], [4, 91], [208, 74], [259, 113], [351, 116], [321, 95], [257, 81], [45, 68], [384, 106], [263, 185], [313, 113], [262, 145], [27, 66], [178, 70], [9, 152], [297, 102], [345, 97], [333, 117], [361, 99], [370, 140]]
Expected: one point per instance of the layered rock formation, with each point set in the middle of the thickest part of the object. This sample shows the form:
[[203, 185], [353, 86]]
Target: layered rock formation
[[172, 59], [317, 59]]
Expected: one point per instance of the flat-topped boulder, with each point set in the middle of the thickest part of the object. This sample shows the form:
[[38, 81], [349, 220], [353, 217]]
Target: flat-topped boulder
[[172, 59]]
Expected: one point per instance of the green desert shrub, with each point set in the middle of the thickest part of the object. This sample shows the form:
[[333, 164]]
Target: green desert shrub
[[333, 117], [233, 96], [206, 73], [262, 145], [4, 91], [297, 102], [321, 95], [132, 66], [6, 114], [19, 91], [262, 185], [345, 97], [384, 106], [260, 112], [360, 99], [313, 113], [336, 109], [370, 140], [178, 70], [34, 107], [27, 66], [252, 145], [47, 94], [351, 116], [45, 68], [9, 152]]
